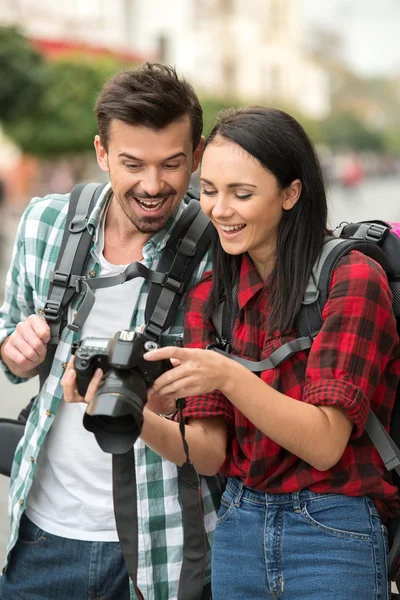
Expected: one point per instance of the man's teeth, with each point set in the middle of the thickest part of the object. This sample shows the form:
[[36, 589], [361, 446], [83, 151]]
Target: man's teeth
[[232, 228], [150, 205]]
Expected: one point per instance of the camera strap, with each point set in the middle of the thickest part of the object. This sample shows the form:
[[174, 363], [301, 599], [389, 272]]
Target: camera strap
[[194, 536], [126, 512]]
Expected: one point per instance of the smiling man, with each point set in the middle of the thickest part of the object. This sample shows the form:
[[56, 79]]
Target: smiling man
[[64, 542]]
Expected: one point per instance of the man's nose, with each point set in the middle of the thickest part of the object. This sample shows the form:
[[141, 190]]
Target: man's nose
[[152, 183]]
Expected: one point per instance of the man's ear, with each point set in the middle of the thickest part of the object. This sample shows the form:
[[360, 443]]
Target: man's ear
[[101, 154], [291, 194], [197, 154]]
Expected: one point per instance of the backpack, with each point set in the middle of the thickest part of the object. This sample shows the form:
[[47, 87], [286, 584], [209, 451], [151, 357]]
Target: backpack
[[381, 241], [184, 250]]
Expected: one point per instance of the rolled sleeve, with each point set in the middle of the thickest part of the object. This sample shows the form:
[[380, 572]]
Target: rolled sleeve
[[210, 405], [355, 343], [340, 394]]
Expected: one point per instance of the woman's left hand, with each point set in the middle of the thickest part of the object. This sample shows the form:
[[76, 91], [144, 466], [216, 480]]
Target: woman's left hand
[[195, 371]]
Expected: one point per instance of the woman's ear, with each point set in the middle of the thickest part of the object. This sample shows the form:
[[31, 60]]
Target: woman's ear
[[291, 194]]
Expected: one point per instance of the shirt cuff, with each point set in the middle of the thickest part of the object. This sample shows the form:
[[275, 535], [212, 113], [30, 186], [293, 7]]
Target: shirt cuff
[[210, 405], [343, 395]]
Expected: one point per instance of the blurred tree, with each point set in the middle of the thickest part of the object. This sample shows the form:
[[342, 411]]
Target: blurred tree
[[22, 75], [211, 107], [63, 122], [344, 131]]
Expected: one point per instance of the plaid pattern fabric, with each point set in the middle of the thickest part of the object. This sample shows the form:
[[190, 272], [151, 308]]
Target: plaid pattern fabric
[[160, 520], [354, 364]]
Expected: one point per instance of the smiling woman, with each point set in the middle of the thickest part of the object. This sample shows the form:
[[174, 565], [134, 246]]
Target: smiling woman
[[307, 495]]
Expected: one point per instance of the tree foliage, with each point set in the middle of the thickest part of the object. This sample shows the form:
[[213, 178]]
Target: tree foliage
[[22, 75], [63, 122]]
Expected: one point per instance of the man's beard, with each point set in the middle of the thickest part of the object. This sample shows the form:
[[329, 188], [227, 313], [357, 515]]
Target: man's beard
[[148, 224]]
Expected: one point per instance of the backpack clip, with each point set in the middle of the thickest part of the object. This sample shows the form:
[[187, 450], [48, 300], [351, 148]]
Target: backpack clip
[[376, 233], [61, 279], [188, 248], [52, 310], [78, 224], [173, 285]]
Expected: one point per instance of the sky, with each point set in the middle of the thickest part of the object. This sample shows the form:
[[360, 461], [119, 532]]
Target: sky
[[370, 30]]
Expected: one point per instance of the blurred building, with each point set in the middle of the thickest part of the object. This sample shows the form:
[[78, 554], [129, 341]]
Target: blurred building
[[241, 49], [245, 49]]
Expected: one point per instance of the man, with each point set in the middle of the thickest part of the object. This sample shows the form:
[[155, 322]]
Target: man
[[63, 540]]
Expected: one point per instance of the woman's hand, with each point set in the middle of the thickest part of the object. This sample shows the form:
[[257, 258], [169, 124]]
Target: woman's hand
[[195, 371]]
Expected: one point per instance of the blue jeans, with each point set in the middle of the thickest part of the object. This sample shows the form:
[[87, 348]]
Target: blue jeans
[[47, 567], [301, 546]]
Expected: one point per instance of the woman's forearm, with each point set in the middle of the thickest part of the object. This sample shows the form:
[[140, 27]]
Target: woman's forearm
[[318, 435], [206, 440]]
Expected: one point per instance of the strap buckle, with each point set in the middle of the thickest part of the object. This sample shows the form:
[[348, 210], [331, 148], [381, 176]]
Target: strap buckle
[[78, 224], [173, 284], [61, 279], [52, 310], [188, 248], [376, 233], [153, 331]]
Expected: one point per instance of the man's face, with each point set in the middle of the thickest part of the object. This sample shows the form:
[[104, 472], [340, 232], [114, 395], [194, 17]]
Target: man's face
[[149, 170]]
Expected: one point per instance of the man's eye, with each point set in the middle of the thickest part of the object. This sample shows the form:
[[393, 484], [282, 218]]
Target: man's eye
[[171, 166], [133, 166]]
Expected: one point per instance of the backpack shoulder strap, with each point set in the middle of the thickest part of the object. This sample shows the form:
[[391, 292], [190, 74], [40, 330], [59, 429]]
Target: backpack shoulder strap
[[187, 245], [70, 264], [309, 319]]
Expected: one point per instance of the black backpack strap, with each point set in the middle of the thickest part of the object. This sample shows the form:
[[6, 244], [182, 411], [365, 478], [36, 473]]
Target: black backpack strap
[[126, 512], [189, 241], [70, 264]]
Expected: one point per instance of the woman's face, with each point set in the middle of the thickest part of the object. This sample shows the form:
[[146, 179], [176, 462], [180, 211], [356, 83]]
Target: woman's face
[[244, 202]]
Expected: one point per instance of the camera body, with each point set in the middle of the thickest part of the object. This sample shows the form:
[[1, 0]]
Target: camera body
[[123, 352], [115, 415]]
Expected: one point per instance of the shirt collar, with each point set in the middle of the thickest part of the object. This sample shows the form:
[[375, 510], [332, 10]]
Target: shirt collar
[[156, 243], [250, 281]]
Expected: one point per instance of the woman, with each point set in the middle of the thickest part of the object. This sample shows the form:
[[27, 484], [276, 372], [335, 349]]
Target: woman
[[303, 514]]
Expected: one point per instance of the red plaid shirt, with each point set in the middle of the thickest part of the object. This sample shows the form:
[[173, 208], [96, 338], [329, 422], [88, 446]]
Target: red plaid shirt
[[354, 364]]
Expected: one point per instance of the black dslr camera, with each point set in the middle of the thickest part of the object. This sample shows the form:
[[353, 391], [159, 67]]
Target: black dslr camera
[[115, 415]]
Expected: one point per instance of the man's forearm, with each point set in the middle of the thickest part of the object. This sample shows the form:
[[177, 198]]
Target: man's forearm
[[206, 443]]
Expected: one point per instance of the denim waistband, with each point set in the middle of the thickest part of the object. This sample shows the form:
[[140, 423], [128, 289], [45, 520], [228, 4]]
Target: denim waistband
[[239, 490]]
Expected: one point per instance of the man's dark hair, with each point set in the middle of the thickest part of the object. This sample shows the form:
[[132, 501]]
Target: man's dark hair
[[153, 96]]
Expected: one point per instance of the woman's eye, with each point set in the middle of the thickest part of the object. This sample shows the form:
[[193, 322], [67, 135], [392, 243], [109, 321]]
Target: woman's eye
[[243, 196], [208, 192]]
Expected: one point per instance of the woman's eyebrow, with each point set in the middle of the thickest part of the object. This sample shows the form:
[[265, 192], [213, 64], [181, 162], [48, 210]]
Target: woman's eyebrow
[[230, 185]]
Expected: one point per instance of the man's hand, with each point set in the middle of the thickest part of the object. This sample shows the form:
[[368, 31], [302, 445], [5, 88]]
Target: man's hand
[[161, 405], [25, 349], [68, 382]]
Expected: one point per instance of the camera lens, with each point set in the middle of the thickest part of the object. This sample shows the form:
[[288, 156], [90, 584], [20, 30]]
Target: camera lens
[[115, 415]]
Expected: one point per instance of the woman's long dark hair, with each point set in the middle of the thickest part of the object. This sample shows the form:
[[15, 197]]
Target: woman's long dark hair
[[281, 146]]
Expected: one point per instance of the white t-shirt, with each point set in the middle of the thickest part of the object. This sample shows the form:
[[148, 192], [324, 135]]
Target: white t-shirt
[[71, 494]]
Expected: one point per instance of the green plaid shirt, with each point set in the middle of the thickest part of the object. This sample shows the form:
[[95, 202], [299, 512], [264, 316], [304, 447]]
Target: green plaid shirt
[[160, 518]]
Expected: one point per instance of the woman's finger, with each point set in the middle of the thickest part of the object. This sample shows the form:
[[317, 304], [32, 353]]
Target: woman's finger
[[167, 352]]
